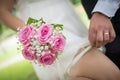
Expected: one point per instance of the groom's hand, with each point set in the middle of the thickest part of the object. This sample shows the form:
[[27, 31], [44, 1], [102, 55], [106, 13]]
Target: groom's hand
[[101, 30]]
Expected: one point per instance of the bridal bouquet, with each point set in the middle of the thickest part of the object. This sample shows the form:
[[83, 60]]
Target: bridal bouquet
[[41, 42]]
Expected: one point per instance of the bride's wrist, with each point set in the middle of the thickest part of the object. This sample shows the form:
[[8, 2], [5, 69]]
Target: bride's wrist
[[3, 13]]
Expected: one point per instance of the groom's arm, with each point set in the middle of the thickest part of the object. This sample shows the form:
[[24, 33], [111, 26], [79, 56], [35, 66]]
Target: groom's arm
[[6, 16]]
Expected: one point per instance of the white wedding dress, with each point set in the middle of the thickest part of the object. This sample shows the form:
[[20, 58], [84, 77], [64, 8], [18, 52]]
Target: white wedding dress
[[58, 11]]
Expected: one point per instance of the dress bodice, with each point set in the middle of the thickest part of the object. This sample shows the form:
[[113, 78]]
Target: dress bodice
[[50, 9], [53, 11]]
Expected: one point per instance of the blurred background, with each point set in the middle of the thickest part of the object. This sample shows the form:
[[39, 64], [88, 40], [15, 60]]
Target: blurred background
[[12, 65]]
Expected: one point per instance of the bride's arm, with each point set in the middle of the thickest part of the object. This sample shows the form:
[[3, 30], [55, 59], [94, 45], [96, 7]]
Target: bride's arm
[[94, 65], [6, 16]]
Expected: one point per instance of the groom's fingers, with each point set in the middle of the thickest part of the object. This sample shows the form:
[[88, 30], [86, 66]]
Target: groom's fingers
[[99, 39], [112, 34], [92, 37], [106, 37]]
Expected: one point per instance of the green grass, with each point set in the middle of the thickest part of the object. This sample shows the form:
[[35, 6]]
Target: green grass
[[20, 71], [5, 32], [7, 53]]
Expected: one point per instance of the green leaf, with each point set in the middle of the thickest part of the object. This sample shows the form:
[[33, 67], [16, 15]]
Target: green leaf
[[58, 26], [35, 23], [31, 20], [42, 21]]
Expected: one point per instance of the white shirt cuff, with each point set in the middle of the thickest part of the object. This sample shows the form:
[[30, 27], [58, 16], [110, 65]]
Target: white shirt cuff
[[107, 7]]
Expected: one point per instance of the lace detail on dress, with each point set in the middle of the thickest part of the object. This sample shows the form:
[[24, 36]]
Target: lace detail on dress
[[77, 57]]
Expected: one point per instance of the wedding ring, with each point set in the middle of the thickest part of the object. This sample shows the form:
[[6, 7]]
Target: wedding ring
[[106, 33]]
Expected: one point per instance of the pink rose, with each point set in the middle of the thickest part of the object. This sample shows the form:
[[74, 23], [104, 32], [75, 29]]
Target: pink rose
[[25, 34], [47, 59], [58, 43], [28, 53], [44, 33]]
